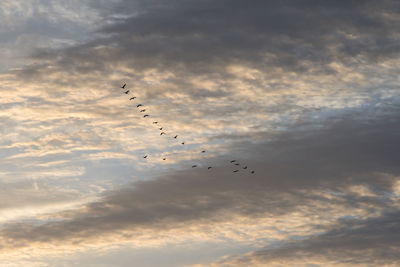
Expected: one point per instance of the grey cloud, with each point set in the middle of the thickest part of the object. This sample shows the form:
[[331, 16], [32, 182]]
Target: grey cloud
[[195, 39], [204, 34], [370, 242], [333, 158], [200, 37]]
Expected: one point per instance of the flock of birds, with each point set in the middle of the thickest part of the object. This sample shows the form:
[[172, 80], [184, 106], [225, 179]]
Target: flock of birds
[[162, 132]]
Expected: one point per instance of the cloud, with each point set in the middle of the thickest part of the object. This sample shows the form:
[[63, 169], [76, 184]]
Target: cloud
[[351, 243], [248, 56], [348, 167], [303, 92], [41, 24], [198, 37]]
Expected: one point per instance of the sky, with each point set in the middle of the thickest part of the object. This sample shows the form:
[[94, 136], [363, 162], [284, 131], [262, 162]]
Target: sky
[[305, 93]]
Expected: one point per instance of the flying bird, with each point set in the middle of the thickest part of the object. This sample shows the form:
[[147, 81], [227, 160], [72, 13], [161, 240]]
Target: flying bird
[[183, 143], [237, 164], [164, 158], [209, 168], [232, 161], [252, 172], [194, 166], [140, 105], [126, 92], [162, 133], [235, 170], [245, 167], [160, 128], [123, 86], [145, 157], [155, 122], [143, 110], [145, 116], [175, 136], [203, 151], [132, 98]]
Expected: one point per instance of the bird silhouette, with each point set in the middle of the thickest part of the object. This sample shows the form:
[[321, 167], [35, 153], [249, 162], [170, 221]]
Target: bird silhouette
[[176, 136]]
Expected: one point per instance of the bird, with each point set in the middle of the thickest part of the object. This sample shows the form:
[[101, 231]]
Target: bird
[[252, 172], [164, 158], [183, 143], [209, 168], [175, 136], [232, 161], [155, 122], [145, 116], [140, 105], [235, 170], [162, 133], [143, 110], [245, 167], [123, 86], [194, 166], [145, 157], [126, 92], [132, 98], [160, 128], [237, 164], [203, 151]]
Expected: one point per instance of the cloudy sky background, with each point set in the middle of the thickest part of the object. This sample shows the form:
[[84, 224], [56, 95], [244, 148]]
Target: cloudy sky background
[[306, 93]]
